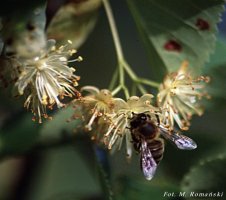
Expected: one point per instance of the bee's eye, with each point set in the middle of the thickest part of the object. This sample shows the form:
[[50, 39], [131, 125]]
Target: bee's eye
[[143, 117]]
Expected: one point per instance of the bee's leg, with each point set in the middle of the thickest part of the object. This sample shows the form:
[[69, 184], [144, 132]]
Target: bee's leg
[[134, 139], [158, 120], [136, 143], [137, 146]]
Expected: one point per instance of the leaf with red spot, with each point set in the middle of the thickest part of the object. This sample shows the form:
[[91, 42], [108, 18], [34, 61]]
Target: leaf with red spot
[[174, 31], [172, 45], [202, 24]]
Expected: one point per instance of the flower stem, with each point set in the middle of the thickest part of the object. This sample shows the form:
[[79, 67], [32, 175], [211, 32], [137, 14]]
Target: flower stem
[[116, 90], [114, 30], [122, 64], [142, 89], [134, 77], [133, 89], [148, 82], [114, 79], [118, 47], [126, 91], [128, 69]]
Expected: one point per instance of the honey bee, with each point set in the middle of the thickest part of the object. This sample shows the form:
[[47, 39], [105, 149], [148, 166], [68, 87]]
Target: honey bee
[[146, 140]]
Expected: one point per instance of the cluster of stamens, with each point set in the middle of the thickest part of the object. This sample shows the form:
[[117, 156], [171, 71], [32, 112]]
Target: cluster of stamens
[[179, 97], [46, 79], [108, 118]]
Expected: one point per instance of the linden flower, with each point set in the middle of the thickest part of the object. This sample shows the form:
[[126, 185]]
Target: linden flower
[[46, 79], [98, 103], [178, 96], [120, 120]]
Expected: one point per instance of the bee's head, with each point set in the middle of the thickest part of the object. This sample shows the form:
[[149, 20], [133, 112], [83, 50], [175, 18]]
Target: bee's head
[[143, 117], [139, 119]]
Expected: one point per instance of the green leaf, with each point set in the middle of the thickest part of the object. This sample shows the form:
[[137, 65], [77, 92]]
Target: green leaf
[[217, 87], [74, 21], [60, 127], [218, 57], [22, 134], [216, 71], [177, 162], [65, 176], [18, 136], [174, 31], [210, 137], [208, 176], [133, 189]]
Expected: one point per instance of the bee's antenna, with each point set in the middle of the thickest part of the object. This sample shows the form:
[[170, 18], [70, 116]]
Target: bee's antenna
[[133, 113]]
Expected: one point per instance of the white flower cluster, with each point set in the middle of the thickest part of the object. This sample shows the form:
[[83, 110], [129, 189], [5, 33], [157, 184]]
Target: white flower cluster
[[46, 78], [109, 118]]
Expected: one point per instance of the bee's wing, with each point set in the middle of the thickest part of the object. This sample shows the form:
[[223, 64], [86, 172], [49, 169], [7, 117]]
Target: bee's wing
[[181, 141], [148, 163]]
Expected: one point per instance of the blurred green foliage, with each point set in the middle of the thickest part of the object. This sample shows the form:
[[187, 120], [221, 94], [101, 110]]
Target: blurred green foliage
[[73, 21], [208, 176]]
